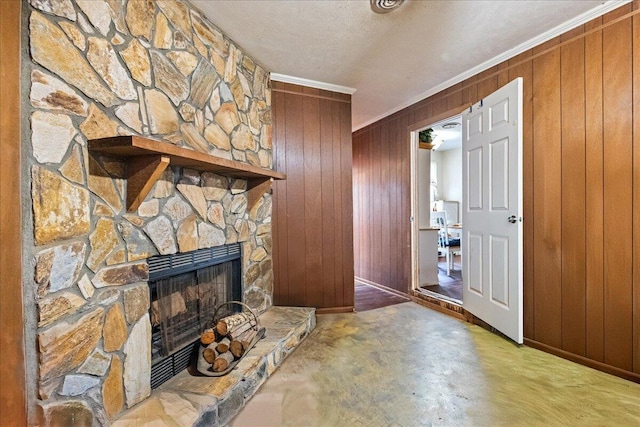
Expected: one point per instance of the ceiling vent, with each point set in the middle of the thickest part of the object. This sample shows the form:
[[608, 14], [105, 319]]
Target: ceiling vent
[[385, 6], [450, 125]]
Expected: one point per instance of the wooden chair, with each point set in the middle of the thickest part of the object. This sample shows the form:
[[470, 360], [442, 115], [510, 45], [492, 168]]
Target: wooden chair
[[447, 247]]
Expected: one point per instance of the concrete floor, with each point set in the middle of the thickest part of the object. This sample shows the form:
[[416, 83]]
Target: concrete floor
[[406, 365]]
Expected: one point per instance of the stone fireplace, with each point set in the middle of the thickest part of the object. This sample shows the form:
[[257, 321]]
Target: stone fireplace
[[187, 291], [102, 68]]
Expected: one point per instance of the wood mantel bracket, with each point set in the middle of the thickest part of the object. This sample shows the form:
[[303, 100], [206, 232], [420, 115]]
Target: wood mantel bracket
[[142, 173], [147, 159], [256, 187]]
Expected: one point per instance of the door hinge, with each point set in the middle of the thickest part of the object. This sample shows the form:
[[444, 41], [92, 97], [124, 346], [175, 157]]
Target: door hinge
[[480, 105]]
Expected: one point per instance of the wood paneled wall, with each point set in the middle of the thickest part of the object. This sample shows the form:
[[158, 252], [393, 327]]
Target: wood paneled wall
[[312, 208], [382, 204], [12, 372], [581, 189]]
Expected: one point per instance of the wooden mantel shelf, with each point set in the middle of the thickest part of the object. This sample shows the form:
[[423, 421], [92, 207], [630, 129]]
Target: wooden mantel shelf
[[146, 160]]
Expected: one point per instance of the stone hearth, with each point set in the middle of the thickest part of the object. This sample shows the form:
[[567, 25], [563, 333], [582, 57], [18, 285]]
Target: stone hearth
[[187, 400]]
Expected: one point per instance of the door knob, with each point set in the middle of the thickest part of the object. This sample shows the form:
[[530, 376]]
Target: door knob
[[512, 219]]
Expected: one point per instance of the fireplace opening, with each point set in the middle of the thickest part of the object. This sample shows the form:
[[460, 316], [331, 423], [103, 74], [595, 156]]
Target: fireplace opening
[[185, 290]]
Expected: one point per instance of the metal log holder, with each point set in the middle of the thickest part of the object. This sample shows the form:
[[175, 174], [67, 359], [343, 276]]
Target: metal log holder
[[204, 367]]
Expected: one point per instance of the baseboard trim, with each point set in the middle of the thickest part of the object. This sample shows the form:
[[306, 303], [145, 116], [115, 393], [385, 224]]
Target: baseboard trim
[[335, 310], [599, 366], [383, 287]]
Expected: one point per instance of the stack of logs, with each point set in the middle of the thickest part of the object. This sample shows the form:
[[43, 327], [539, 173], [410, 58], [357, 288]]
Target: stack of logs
[[228, 340]]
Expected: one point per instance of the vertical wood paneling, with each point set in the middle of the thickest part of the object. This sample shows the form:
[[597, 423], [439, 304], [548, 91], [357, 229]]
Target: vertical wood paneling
[[359, 143], [383, 193], [296, 244], [488, 82], [357, 203], [618, 197], [547, 196], [581, 171], [12, 368], [441, 105], [384, 229], [397, 281], [406, 206], [312, 199], [573, 231], [313, 207], [366, 149], [636, 189], [503, 76], [395, 225], [345, 173], [328, 217], [454, 99], [473, 89], [374, 211], [279, 206], [404, 202], [466, 92], [594, 202]]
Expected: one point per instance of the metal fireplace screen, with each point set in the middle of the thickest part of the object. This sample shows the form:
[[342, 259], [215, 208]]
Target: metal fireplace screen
[[185, 290]]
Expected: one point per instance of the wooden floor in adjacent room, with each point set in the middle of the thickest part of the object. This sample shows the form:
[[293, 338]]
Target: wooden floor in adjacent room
[[369, 297], [450, 285]]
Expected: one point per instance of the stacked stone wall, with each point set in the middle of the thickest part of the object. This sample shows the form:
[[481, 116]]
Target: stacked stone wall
[[158, 68]]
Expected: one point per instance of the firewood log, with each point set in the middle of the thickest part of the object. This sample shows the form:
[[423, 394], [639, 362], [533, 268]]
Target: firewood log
[[222, 362], [247, 337], [236, 349], [209, 355], [229, 323], [223, 345], [208, 336], [241, 329]]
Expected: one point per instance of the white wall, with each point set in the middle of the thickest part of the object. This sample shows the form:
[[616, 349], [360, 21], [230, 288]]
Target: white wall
[[452, 174], [423, 184], [449, 175], [436, 157]]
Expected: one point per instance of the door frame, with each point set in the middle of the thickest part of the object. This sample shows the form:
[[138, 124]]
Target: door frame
[[413, 150]]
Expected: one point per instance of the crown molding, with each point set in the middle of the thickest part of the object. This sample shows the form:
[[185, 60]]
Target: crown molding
[[312, 83], [587, 16]]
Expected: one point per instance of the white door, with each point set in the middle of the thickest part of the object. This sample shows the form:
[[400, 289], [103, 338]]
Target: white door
[[492, 216]]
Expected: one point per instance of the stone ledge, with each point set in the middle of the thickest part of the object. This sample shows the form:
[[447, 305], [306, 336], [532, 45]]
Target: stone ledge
[[186, 400]]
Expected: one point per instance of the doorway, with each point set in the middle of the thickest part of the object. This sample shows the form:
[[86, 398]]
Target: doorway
[[438, 189], [491, 244]]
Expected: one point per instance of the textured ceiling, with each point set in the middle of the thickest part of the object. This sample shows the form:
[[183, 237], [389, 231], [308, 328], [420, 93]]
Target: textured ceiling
[[391, 60]]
